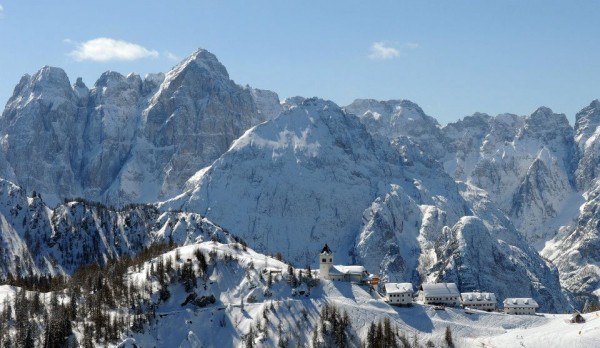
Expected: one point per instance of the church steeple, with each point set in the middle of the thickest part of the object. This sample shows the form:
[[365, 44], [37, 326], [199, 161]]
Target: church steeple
[[325, 261]]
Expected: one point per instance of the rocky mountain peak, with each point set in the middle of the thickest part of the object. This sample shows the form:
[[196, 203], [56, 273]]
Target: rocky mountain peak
[[586, 122], [49, 74], [48, 83], [543, 121], [292, 102], [553, 130], [395, 118], [80, 89], [202, 60]]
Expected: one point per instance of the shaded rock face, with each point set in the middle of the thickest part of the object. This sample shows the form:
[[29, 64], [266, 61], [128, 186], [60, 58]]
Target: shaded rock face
[[127, 139], [36, 128], [526, 164], [475, 255], [315, 175], [395, 118], [586, 136], [38, 240], [576, 251]]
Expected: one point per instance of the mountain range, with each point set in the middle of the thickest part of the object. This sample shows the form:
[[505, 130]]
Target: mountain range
[[502, 203]]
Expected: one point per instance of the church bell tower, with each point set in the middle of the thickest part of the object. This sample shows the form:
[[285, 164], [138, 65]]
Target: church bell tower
[[325, 262]]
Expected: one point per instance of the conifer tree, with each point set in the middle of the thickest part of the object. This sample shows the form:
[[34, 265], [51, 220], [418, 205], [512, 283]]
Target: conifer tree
[[448, 337], [250, 338]]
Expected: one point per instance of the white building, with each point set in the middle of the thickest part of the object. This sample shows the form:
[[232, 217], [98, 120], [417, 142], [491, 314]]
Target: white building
[[399, 293], [445, 294], [479, 300], [328, 270], [520, 306]]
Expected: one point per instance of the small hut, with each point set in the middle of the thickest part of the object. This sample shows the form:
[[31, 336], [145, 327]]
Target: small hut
[[577, 318]]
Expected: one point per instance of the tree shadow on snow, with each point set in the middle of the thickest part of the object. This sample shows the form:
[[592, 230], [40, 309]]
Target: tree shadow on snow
[[345, 289], [415, 316]]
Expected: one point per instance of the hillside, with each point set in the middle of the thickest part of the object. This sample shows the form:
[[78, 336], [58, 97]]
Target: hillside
[[277, 314]]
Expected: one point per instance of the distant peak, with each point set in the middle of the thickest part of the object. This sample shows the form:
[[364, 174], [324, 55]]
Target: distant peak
[[202, 59], [543, 115], [543, 110], [201, 52], [51, 74]]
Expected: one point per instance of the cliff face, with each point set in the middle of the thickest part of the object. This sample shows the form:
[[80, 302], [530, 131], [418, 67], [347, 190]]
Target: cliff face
[[127, 139]]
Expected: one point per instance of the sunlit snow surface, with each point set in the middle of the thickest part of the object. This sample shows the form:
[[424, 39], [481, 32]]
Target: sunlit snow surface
[[225, 323]]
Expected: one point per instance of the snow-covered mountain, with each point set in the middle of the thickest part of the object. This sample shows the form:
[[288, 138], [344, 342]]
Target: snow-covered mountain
[[38, 240], [382, 181], [315, 175], [575, 250], [127, 139], [526, 164], [395, 118], [587, 123]]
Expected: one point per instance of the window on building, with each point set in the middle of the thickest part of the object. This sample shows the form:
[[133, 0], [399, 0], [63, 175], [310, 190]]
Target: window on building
[[324, 260]]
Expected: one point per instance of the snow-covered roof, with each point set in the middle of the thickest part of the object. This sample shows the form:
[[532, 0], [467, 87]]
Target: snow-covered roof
[[339, 269], [398, 288], [520, 302], [478, 297], [440, 289]]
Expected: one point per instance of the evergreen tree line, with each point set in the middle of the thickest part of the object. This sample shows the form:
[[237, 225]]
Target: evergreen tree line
[[333, 329], [86, 300], [384, 334]]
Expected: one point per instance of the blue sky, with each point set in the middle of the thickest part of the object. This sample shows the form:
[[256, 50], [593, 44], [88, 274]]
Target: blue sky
[[453, 58]]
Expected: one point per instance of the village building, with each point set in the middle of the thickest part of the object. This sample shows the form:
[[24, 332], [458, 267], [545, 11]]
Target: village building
[[327, 270], [445, 294], [577, 318], [399, 293], [520, 306], [485, 301]]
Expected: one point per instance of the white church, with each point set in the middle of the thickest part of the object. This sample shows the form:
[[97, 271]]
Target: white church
[[327, 270]]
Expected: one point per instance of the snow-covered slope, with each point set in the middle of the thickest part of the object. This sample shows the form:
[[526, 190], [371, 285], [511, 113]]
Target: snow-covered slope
[[283, 316], [250, 309], [314, 175], [127, 139]]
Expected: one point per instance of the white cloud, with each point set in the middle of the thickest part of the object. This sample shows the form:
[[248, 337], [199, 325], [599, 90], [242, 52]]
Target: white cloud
[[1, 11], [380, 51], [104, 49]]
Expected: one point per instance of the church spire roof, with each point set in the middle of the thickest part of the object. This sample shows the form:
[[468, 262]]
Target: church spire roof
[[326, 249]]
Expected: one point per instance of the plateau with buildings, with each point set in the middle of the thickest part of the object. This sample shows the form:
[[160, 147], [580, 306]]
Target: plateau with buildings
[[436, 294]]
